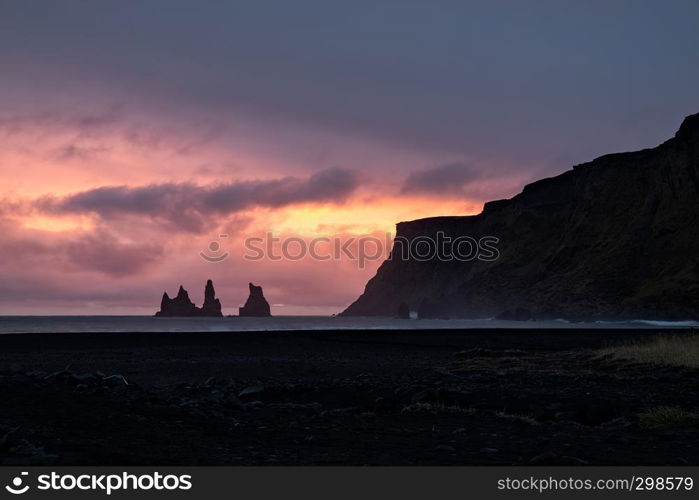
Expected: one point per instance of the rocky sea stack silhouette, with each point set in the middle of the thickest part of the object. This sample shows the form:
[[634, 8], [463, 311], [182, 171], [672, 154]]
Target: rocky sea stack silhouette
[[615, 238], [181, 305], [256, 305]]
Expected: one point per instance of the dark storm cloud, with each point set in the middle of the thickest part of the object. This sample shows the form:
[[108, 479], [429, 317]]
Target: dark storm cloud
[[194, 208], [98, 250], [443, 179], [104, 253], [518, 81]]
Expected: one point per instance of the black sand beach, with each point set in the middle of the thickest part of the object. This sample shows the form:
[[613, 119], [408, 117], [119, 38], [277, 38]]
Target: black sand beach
[[339, 398]]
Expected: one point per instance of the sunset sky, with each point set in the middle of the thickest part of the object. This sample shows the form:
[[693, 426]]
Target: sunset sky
[[134, 133]]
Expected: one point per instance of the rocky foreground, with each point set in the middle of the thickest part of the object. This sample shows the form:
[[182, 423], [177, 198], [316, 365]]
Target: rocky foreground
[[378, 398]]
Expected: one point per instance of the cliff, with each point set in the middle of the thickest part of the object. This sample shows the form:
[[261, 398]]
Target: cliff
[[615, 238]]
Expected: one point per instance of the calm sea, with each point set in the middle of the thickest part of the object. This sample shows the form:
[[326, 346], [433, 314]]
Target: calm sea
[[55, 324]]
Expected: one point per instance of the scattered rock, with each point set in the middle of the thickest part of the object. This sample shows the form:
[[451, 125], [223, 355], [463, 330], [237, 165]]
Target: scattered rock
[[566, 415], [445, 447], [27, 453], [59, 375], [385, 404], [616, 439], [250, 391], [13, 368], [568, 460], [618, 422], [115, 381], [313, 407], [8, 437], [546, 458], [232, 401], [340, 411]]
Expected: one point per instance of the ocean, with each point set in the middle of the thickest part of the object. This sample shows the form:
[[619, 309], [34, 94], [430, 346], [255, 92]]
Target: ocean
[[97, 324]]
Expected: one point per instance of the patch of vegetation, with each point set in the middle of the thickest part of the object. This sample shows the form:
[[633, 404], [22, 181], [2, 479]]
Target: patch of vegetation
[[677, 350], [663, 417]]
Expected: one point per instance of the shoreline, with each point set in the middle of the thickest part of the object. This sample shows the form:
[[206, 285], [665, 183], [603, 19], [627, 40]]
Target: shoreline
[[448, 337], [302, 324]]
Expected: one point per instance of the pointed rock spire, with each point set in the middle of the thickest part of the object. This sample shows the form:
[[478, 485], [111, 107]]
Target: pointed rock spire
[[211, 306], [165, 301]]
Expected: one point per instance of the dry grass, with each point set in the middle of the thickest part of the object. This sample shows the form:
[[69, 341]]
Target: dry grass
[[671, 351], [663, 417]]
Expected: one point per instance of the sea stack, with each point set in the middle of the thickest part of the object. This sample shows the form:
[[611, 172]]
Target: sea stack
[[181, 305], [211, 306], [256, 305]]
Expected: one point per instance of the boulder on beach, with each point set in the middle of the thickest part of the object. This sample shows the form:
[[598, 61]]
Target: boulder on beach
[[256, 305]]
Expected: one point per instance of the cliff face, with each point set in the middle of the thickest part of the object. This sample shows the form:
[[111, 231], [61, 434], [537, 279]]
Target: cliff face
[[615, 238]]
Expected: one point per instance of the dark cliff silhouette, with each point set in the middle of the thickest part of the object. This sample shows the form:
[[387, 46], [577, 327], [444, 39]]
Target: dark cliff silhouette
[[615, 238], [403, 311], [181, 305], [256, 305]]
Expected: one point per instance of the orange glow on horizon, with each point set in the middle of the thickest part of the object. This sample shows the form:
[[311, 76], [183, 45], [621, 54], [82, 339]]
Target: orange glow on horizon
[[361, 217], [56, 224]]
